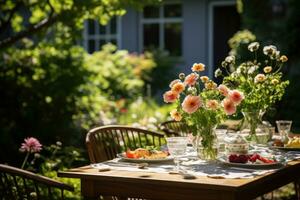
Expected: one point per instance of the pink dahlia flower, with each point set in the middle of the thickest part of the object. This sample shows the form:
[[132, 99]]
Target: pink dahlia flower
[[170, 96], [229, 106], [191, 79], [31, 145], [236, 96], [191, 103], [223, 89]]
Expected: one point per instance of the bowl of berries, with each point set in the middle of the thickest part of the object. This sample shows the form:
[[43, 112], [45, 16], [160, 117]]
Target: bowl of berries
[[249, 160]]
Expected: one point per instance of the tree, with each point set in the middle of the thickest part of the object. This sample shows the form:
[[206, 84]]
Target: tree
[[47, 83], [24, 18]]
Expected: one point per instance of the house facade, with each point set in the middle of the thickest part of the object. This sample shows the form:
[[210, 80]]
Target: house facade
[[192, 30]]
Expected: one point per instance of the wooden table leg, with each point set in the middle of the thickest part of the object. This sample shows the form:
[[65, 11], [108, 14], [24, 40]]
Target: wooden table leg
[[88, 190], [297, 188]]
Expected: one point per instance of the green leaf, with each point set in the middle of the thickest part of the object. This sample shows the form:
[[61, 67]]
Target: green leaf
[[37, 15], [16, 22]]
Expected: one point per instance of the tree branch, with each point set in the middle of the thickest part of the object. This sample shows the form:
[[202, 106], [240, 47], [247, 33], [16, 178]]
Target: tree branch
[[32, 29]]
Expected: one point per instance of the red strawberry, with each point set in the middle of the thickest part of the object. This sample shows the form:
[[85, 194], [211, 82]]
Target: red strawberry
[[265, 160], [254, 157]]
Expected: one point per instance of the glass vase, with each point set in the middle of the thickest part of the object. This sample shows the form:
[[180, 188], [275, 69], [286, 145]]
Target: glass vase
[[206, 143], [253, 127]]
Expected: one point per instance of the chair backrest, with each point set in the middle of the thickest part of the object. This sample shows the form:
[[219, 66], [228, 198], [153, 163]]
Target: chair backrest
[[17, 183], [105, 142], [175, 128]]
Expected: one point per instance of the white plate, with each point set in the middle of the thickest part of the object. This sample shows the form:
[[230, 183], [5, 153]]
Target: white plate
[[286, 148], [249, 165], [143, 160]]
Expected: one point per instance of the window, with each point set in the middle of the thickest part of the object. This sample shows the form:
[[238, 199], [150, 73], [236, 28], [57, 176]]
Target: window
[[96, 35], [162, 28]]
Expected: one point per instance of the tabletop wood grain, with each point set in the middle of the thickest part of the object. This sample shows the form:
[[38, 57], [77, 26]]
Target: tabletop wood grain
[[173, 186]]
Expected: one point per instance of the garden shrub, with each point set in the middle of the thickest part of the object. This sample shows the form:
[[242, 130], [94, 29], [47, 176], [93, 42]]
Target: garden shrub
[[39, 87], [277, 22], [57, 92], [151, 116], [160, 77]]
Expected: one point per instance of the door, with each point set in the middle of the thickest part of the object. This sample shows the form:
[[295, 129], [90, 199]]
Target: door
[[226, 22]]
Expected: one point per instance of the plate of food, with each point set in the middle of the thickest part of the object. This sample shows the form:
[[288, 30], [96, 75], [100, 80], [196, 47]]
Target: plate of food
[[145, 155], [293, 144], [249, 161]]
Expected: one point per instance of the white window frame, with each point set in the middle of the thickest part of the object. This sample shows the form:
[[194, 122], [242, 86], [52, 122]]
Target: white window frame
[[161, 21], [97, 36]]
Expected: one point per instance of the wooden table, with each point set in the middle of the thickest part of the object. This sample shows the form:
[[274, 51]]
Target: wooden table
[[173, 187]]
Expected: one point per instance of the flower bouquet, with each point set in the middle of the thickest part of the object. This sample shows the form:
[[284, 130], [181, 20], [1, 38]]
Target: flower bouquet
[[260, 80], [202, 105]]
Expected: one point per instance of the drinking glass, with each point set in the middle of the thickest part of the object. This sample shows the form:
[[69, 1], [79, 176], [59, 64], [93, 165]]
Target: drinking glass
[[177, 147], [284, 128]]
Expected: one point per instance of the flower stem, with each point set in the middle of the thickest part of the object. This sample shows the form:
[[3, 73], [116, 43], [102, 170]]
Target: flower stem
[[25, 160]]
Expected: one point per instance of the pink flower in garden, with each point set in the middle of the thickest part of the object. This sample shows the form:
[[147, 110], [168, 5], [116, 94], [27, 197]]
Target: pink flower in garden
[[229, 106], [31, 145], [223, 89], [191, 103], [212, 104], [191, 79], [175, 115], [236, 96], [170, 96]]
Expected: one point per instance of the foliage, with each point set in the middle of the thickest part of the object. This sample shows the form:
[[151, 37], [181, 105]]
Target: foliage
[[238, 44], [278, 22], [115, 75], [57, 157], [45, 85], [260, 82], [38, 92], [150, 118], [157, 79], [22, 18]]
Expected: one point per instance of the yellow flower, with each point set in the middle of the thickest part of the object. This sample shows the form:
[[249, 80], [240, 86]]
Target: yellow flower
[[175, 115], [283, 58], [267, 69], [204, 79], [210, 85], [274, 81], [198, 67]]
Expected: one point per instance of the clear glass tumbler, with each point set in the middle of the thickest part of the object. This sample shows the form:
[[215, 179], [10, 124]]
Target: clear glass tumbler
[[284, 128]]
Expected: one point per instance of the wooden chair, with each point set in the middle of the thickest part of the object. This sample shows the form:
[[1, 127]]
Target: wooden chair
[[105, 142], [17, 183], [175, 128]]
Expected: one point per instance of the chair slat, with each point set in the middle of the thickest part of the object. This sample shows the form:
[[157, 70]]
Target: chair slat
[[16, 183], [175, 128], [114, 138]]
